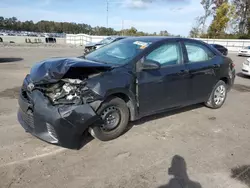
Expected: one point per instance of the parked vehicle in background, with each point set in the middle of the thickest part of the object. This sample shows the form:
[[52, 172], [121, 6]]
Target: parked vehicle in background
[[93, 46], [244, 51], [246, 67], [101, 92], [30, 34], [220, 48]]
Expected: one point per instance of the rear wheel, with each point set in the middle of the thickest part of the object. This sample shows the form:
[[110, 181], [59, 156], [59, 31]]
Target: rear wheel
[[218, 95], [114, 114]]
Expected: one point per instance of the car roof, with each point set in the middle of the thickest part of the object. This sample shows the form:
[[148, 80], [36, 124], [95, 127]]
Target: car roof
[[117, 37], [154, 38], [217, 45]]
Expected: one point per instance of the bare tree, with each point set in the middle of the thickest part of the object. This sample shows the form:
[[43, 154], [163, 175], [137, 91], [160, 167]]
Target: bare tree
[[243, 13], [207, 6]]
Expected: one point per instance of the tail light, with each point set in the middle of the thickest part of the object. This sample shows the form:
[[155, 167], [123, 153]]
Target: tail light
[[232, 66]]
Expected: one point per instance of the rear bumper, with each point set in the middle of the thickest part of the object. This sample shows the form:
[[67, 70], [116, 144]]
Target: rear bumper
[[59, 125]]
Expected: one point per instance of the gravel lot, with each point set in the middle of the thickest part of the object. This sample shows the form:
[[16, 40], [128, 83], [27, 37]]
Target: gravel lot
[[214, 144]]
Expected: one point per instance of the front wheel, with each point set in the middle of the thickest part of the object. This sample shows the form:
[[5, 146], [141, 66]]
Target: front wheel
[[114, 114], [218, 95]]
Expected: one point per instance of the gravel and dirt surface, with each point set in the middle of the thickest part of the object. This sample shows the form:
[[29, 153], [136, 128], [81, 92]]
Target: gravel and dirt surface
[[210, 148]]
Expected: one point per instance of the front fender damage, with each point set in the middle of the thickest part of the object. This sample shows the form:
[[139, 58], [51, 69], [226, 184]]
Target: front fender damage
[[80, 116], [77, 98], [117, 83], [57, 124]]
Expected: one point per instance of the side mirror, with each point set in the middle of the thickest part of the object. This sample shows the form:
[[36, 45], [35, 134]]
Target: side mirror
[[150, 65]]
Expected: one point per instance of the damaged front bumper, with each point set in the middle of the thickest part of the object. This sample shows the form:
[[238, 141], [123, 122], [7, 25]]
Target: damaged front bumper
[[61, 125]]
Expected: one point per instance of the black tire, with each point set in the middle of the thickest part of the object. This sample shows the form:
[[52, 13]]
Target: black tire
[[98, 131], [211, 101], [1, 40]]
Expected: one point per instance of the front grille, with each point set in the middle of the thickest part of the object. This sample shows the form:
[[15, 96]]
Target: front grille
[[27, 118], [24, 94]]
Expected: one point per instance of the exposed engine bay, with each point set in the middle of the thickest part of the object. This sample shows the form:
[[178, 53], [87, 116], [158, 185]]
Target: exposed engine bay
[[68, 91], [66, 80]]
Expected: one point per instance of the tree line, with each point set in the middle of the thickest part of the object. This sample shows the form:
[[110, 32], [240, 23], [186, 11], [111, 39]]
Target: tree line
[[230, 19], [67, 27]]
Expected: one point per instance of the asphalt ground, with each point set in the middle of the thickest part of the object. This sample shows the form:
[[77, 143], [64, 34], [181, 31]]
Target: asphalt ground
[[206, 148]]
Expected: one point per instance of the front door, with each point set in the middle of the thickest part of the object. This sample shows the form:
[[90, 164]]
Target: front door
[[165, 87], [202, 64]]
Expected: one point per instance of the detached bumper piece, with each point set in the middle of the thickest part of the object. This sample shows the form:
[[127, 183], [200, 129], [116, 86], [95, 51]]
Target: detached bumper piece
[[60, 125]]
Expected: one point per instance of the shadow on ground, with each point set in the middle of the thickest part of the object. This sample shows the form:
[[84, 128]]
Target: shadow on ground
[[165, 114], [10, 59], [180, 178], [11, 93], [86, 138], [242, 173], [241, 88], [239, 74]]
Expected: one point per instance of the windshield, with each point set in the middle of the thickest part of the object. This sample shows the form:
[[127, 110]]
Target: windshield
[[119, 52]]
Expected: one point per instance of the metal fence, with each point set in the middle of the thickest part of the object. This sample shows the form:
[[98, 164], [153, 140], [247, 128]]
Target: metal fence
[[82, 39], [231, 44]]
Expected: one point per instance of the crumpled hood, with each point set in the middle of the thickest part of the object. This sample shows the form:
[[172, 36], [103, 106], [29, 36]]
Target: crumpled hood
[[54, 69]]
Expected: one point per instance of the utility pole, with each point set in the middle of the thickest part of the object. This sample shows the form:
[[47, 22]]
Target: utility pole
[[107, 13], [122, 26]]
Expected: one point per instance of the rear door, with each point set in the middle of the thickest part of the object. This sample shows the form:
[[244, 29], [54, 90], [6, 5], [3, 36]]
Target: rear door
[[203, 65]]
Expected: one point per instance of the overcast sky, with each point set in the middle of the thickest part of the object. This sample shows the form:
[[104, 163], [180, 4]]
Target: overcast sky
[[175, 16]]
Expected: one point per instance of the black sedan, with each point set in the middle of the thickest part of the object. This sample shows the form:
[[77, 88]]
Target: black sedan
[[61, 98], [220, 48]]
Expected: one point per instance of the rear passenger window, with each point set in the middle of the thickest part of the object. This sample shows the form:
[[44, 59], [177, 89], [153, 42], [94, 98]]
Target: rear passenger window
[[198, 52]]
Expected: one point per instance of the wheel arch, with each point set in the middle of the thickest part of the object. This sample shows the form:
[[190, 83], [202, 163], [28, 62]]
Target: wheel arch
[[225, 79], [129, 99], [228, 82]]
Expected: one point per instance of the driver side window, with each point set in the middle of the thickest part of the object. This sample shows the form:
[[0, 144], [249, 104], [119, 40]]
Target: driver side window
[[166, 54]]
